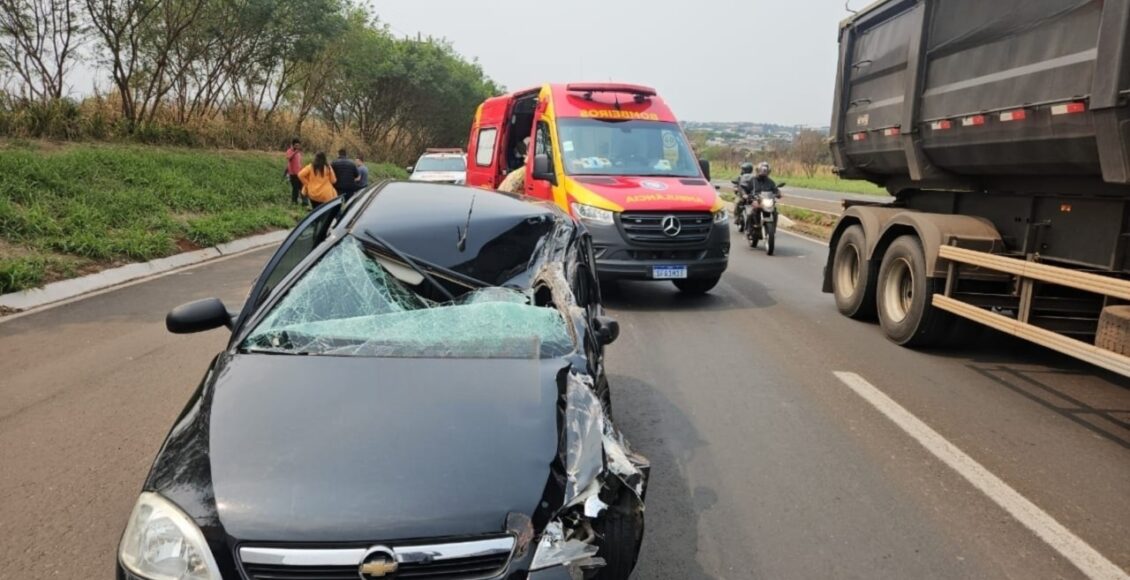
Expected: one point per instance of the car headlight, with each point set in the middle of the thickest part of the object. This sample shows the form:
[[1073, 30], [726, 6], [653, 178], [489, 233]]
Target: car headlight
[[592, 214], [162, 543], [721, 217]]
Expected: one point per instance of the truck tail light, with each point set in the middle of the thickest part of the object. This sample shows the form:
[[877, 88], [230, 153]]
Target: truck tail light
[[974, 121], [1017, 115], [1069, 108], [859, 136], [892, 132], [943, 125]]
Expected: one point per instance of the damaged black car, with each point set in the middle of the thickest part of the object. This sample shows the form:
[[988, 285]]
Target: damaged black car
[[415, 388]]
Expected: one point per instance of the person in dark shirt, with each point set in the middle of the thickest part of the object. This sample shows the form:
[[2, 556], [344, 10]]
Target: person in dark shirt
[[362, 173], [346, 171]]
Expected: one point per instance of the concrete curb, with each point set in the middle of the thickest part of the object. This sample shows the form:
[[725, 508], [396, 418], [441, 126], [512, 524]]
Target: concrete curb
[[67, 289]]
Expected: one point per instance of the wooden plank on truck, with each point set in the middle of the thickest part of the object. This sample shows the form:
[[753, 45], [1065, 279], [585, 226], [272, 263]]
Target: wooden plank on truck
[[1085, 281]]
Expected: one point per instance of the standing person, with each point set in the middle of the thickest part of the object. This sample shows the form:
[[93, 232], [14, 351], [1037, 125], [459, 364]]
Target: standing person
[[346, 171], [293, 167], [318, 181], [362, 173]]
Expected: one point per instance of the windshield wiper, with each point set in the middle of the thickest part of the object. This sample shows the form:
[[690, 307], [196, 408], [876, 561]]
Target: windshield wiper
[[411, 264]]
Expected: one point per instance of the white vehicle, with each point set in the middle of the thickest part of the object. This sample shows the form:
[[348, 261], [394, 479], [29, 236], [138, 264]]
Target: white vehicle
[[440, 166]]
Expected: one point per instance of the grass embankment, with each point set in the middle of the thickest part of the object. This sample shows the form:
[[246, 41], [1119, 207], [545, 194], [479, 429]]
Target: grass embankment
[[71, 209], [822, 179], [813, 223]]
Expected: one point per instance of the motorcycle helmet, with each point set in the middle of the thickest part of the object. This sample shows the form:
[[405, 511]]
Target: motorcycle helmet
[[747, 167], [763, 170]]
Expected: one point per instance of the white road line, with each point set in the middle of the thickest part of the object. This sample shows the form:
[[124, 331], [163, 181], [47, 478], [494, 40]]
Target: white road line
[[1078, 552]]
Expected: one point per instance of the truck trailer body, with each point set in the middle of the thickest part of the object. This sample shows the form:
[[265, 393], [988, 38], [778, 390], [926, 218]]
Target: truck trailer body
[[1002, 131]]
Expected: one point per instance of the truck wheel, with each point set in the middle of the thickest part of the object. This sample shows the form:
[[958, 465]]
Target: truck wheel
[[770, 237], [1114, 330], [905, 295], [697, 285], [621, 532], [853, 277]]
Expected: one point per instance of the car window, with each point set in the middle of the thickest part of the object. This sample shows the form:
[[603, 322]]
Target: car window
[[351, 304], [543, 144], [484, 152], [293, 250], [441, 164]]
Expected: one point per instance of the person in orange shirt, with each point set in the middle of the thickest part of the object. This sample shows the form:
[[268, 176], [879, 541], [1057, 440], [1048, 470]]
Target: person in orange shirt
[[318, 181]]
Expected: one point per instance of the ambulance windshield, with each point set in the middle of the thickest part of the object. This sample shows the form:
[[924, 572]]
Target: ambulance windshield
[[641, 148]]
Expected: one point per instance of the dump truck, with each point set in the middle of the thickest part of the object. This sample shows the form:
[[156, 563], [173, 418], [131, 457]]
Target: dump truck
[[1002, 132]]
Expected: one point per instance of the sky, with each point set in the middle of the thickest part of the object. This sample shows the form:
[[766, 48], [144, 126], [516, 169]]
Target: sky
[[771, 61]]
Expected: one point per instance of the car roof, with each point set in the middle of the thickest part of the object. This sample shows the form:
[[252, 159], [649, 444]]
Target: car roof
[[427, 221]]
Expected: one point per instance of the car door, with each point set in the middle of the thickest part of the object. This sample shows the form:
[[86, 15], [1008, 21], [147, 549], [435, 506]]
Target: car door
[[311, 232], [488, 134]]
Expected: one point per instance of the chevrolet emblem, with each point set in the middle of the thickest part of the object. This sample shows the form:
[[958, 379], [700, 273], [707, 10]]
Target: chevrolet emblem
[[378, 567]]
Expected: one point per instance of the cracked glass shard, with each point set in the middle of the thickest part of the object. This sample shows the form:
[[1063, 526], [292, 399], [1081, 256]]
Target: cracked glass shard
[[348, 304]]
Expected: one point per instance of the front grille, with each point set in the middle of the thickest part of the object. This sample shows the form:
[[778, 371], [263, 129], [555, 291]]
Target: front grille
[[467, 560], [646, 228], [668, 255], [455, 569]]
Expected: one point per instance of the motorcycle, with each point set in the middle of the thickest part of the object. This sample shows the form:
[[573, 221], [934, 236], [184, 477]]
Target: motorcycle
[[743, 189], [761, 220]]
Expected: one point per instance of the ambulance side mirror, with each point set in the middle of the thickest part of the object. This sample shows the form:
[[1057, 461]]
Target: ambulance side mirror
[[543, 170], [705, 165]]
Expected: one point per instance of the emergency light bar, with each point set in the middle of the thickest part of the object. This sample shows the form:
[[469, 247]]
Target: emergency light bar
[[640, 92]]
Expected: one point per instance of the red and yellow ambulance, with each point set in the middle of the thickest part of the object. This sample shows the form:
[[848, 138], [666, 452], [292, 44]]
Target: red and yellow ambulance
[[615, 157]]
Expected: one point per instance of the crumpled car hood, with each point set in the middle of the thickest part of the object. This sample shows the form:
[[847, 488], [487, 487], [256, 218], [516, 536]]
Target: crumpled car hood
[[309, 448]]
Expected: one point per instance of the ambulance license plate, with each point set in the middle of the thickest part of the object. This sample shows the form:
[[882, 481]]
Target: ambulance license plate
[[669, 272]]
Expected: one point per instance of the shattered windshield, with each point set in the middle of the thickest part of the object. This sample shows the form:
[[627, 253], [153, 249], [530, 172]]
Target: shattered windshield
[[354, 302]]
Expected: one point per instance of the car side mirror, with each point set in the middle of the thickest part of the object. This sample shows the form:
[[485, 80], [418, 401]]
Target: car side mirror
[[705, 166], [607, 330], [542, 169], [199, 316], [411, 168]]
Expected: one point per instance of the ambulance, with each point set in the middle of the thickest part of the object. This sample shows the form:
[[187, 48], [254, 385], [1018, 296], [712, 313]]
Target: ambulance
[[613, 156]]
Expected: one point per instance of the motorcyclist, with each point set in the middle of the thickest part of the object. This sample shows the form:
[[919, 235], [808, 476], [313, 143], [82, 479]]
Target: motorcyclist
[[763, 185], [744, 188]]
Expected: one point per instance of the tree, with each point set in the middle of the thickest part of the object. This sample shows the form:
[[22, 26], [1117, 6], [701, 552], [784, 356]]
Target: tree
[[39, 41], [810, 149]]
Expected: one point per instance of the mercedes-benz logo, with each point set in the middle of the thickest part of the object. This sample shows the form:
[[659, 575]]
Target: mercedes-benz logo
[[671, 226], [379, 562]]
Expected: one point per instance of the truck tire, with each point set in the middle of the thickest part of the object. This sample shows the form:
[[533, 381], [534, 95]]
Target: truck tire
[[1114, 330], [697, 285], [904, 297], [853, 277]]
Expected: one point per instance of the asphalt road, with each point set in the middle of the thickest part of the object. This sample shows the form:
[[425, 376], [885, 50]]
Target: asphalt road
[[765, 464]]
